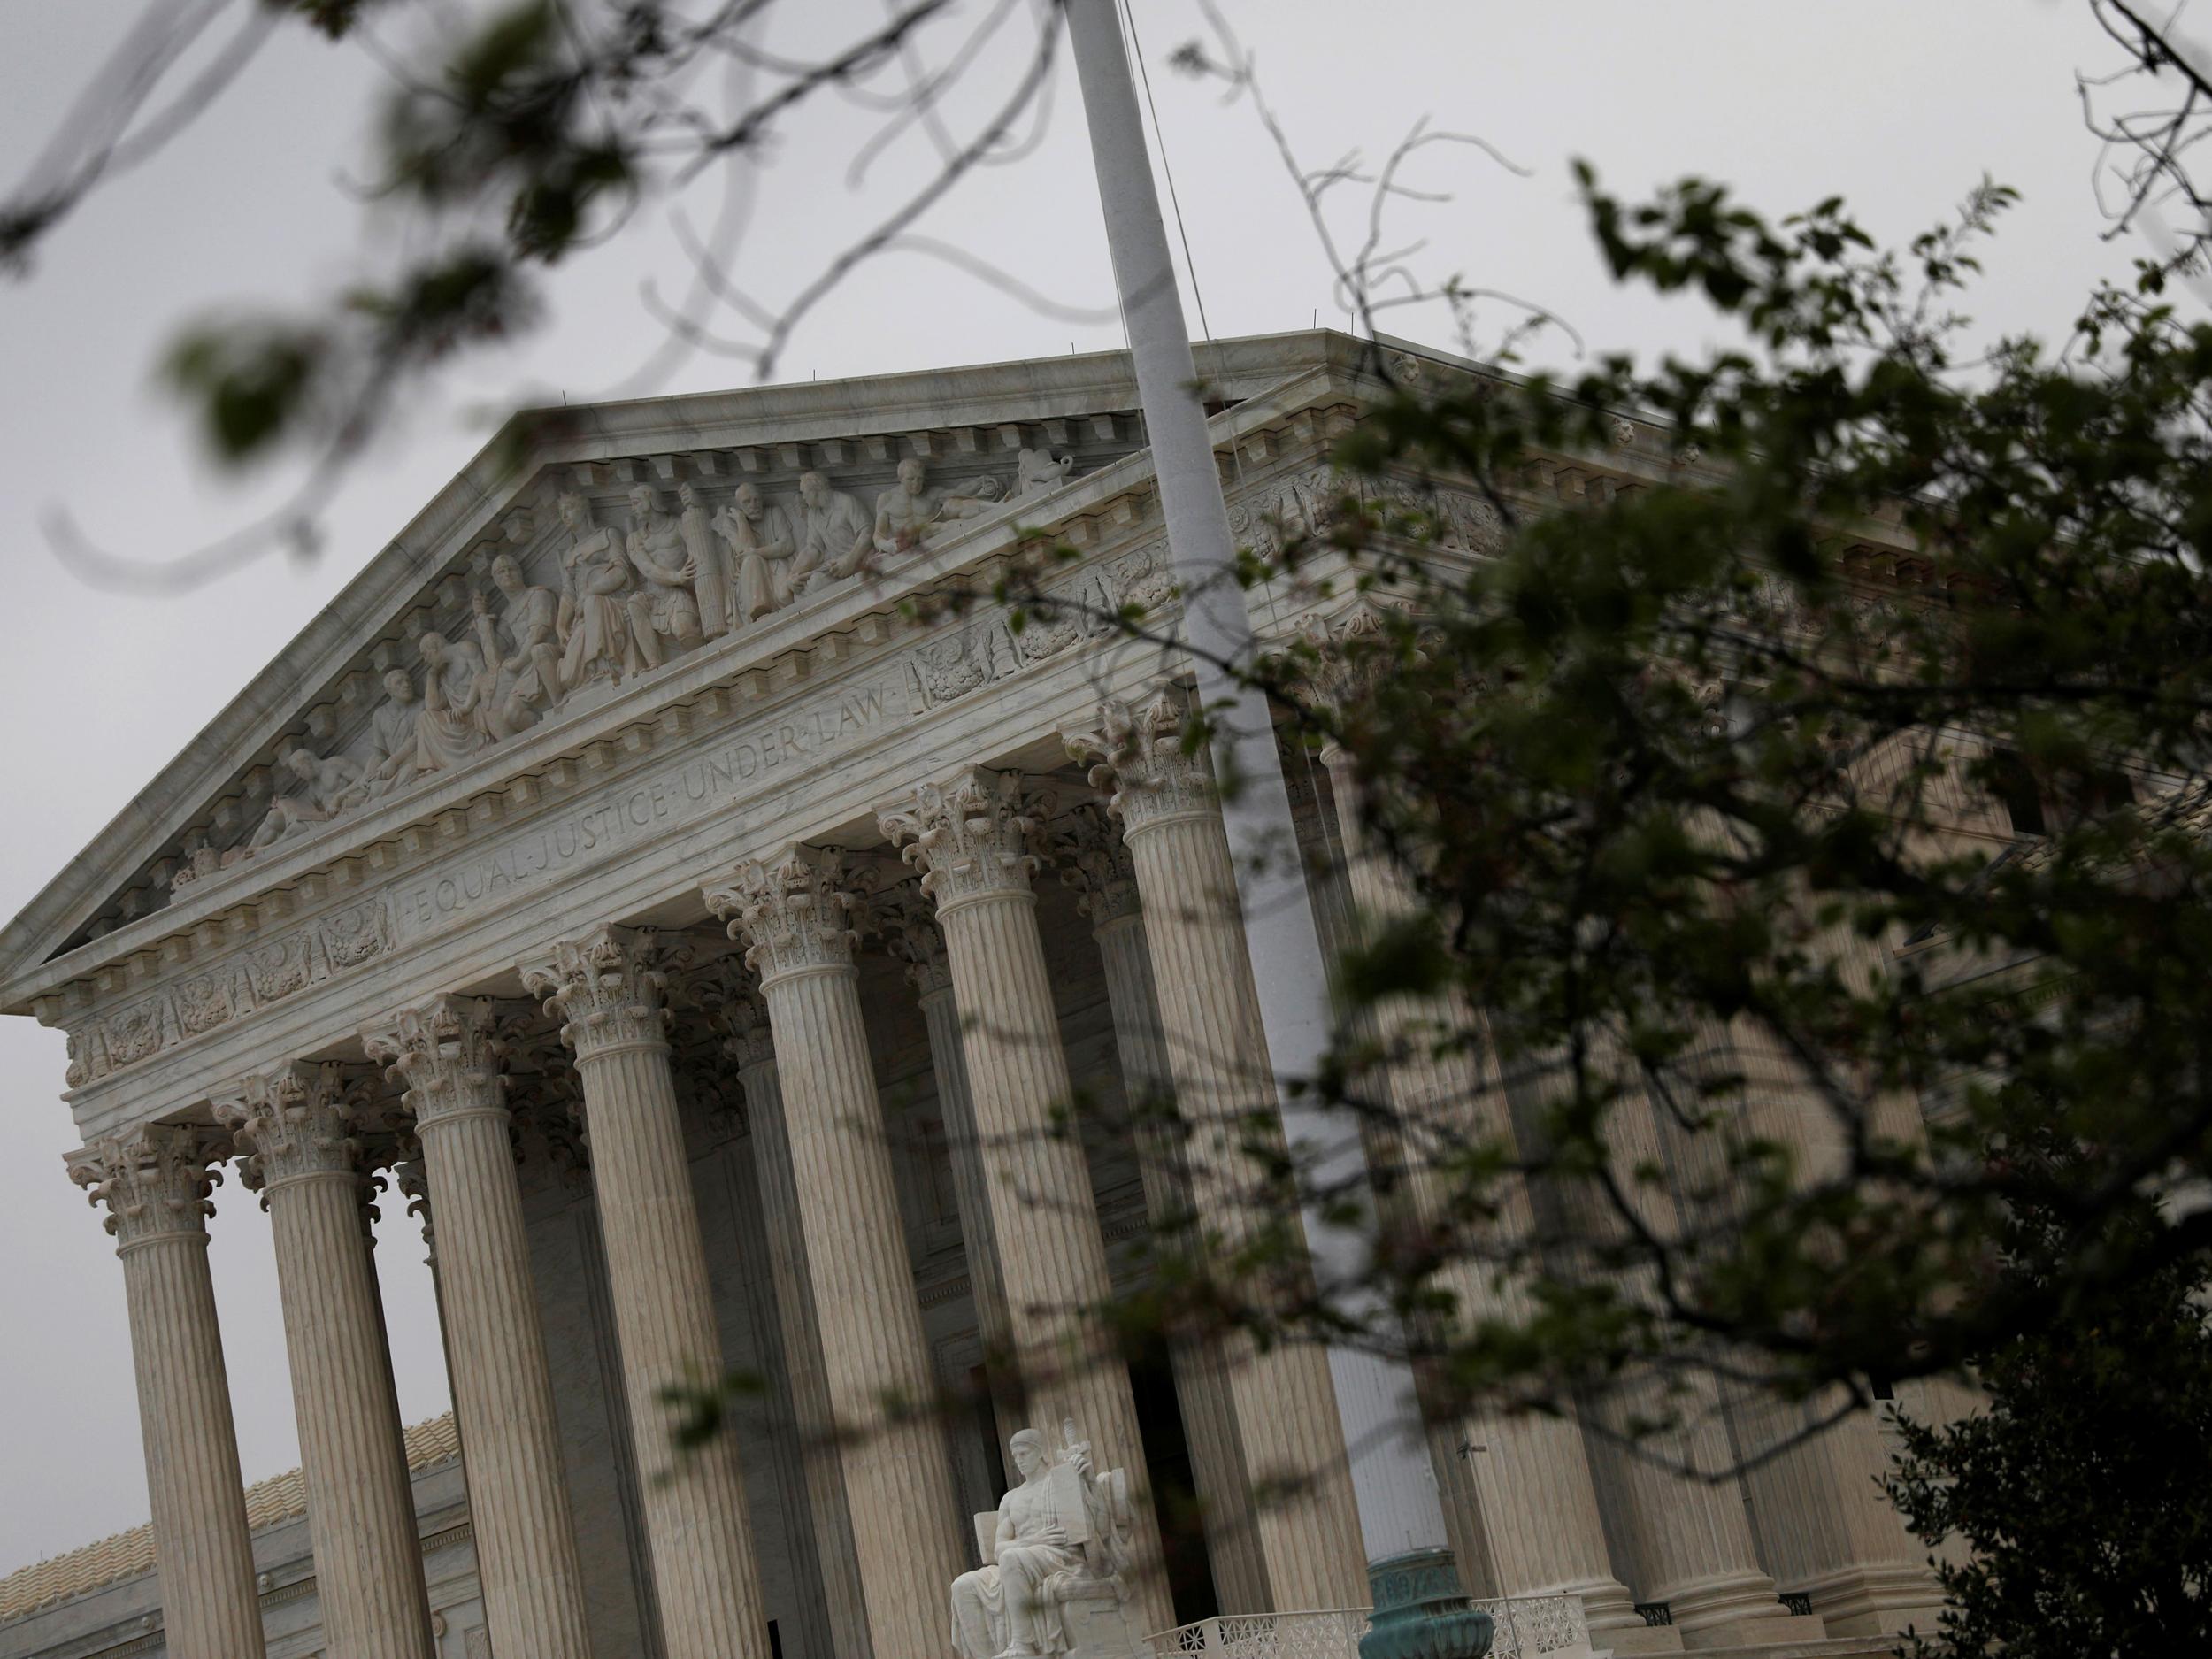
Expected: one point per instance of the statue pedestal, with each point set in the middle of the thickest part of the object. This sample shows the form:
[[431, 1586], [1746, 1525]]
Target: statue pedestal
[[1100, 1627]]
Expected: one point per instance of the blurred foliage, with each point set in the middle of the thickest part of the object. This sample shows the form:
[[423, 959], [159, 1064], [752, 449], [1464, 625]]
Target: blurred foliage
[[2078, 1490]]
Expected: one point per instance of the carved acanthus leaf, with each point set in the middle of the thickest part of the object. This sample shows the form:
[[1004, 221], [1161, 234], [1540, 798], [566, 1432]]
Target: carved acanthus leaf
[[910, 932], [1093, 860], [606, 988], [792, 913], [154, 1180], [970, 837], [292, 1121], [445, 1054], [1146, 758]]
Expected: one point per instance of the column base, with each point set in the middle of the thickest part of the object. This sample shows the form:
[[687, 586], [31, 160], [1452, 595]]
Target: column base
[[1614, 1622], [1876, 1601], [1741, 1610], [1420, 1610]]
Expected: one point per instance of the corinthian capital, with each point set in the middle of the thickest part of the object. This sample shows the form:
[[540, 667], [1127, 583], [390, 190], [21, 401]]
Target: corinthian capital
[[911, 930], [605, 989], [792, 913], [1148, 758], [1093, 859], [155, 1180], [735, 1009], [971, 836], [291, 1121], [445, 1054]]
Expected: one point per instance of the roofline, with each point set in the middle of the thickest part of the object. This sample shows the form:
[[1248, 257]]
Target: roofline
[[533, 439]]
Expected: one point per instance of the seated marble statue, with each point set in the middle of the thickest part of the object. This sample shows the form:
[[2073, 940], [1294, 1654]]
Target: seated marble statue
[[1061, 1536]]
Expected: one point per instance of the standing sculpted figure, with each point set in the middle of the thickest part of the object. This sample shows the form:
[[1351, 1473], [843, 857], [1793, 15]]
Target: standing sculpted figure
[[764, 545], [1058, 1538], [526, 671], [452, 728], [909, 509], [666, 608], [594, 627], [710, 570], [393, 760], [327, 787]]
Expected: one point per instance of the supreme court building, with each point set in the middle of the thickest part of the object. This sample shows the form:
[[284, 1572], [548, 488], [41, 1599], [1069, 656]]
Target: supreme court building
[[699, 924]]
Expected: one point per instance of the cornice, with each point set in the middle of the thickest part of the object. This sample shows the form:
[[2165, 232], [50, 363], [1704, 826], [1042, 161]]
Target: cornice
[[415, 575]]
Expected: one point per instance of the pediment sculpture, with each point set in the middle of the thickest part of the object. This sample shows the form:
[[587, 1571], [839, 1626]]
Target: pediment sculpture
[[1057, 1553], [627, 601]]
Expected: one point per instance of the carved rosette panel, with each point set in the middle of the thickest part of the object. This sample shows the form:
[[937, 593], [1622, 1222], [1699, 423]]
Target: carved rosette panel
[[291, 1122], [972, 837], [911, 934], [1093, 860], [154, 1181], [446, 1055], [793, 913], [606, 990], [1138, 756]]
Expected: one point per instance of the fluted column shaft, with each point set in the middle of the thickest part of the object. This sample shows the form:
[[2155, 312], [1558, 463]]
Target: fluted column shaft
[[971, 839], [898, 1481], [798, 1322], [698, 1532], [1098, 864], [1825, 1528], [1284, 1400], [1520, 1495], [360, 1505], [502, 1388], [155, 1183]]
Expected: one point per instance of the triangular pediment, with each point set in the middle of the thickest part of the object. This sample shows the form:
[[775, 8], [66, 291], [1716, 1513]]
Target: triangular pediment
[[561, 520]]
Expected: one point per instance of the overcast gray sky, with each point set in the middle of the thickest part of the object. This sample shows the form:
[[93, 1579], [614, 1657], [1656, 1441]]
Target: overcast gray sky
[[1900, 105]]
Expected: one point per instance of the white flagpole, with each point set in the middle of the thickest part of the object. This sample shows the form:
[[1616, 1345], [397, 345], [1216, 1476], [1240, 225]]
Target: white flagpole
[[1391, 1473]]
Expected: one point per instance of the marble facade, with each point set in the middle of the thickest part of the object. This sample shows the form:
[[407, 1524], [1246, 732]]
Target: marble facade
[[649, 858]]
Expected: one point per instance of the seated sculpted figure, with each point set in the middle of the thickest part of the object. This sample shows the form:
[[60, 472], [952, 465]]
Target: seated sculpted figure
[[666, 608], [907, 511], [393, 760], [836, 533], [327, 788], [764, 547], [1060, 1537], [452, 726], [525, 667]]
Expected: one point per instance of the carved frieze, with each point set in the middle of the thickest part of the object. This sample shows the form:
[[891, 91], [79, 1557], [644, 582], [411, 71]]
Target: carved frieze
[[236, 983]]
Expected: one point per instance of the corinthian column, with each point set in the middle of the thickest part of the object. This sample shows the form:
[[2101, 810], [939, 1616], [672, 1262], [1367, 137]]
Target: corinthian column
[[910, 930], [752, 1050], [697, 1532], [445, 1054], [1095, 861], [296, 1127], [793, 914], [1520, 1497], [155, 1183], [972, 839], [1283, 1401]]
